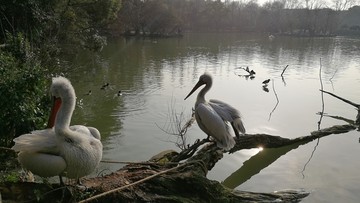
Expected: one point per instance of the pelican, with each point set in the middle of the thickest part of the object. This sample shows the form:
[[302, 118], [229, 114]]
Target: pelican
[[61, 150], [212, 116]]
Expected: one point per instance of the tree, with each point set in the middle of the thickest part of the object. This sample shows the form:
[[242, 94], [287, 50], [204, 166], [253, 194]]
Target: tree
[[340, 5]]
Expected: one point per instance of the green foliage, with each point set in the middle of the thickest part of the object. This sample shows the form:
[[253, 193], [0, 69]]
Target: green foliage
[[30, 34], [80, 21], [75, 22], [23, 91], [33, 18], [12, 177]]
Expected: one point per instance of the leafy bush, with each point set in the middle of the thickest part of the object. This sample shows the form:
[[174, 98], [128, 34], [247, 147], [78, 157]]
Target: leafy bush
[[24, 101]]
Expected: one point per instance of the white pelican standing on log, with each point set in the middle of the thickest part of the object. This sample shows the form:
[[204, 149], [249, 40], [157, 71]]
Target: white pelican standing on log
[[212, 116], [63, 150]]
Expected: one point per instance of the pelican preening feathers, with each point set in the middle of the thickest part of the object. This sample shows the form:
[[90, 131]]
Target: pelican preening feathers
[[63, 150], [212, 116]]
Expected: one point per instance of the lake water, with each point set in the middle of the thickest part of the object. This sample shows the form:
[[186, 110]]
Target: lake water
[[154, 77]]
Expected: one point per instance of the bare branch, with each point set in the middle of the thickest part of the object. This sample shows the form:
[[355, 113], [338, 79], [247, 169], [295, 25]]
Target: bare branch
[[284, 70], [322, 98], [277, 100], [342, 99], [176, 127]]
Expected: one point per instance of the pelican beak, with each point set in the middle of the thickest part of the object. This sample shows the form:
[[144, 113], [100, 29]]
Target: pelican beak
[[55, 108], [198, 84]]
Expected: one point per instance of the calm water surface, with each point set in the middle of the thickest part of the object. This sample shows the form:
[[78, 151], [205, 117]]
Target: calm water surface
[[155, 76]]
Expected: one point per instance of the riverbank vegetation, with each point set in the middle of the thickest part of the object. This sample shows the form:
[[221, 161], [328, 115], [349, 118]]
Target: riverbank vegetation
[[33, 34]]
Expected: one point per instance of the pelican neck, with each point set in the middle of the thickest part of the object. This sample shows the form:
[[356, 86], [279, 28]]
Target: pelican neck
[[203, 91], [63, 117]]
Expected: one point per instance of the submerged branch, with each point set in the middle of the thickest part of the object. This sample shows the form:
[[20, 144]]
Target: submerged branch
[[342, 99], [357, 119], [322, 98], [284, 70], [277, 100]]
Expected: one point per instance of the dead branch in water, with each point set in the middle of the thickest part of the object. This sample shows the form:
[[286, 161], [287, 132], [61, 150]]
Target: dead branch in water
[[342, 99], [277, 100], [282, 77], [322, 98], [162, 182], [357, 106], [284, 70]]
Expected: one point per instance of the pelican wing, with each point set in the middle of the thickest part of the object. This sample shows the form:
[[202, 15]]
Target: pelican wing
[[37, 141], [91, 131], [213, 125], [229, 114], [225, 111], [95, 132]]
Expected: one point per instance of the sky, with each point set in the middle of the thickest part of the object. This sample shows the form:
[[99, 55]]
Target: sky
[[314, 3]]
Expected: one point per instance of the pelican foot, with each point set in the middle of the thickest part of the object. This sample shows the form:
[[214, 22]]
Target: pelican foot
[[80, 185]]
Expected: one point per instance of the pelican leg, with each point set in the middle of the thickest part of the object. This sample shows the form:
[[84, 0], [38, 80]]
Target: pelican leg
[[61, 180], [235, 131], [78, 181]]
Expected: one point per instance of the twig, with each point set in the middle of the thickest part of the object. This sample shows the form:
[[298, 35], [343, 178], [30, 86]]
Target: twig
[[277, 100], [134, 162], [283, 79], [6, 148], [357, 120], [175, 126], [188, 124], [342, 99], [311, 156], [284, 70], [333, 75], [186, 153], [351, 122], [332, 85], [322, 98], [132, 184]]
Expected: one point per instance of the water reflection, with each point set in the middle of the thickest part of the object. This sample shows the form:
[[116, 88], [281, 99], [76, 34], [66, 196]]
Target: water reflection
[[150, 75], [256, 163]]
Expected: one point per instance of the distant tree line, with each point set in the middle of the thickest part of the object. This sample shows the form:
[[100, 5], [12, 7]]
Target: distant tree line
[[293, 17]]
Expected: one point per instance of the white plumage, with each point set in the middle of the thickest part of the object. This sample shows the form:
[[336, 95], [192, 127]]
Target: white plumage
[[64, 150], [213, 116]]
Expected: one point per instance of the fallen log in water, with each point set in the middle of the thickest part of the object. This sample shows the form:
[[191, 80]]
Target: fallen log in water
[[161, 180]]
